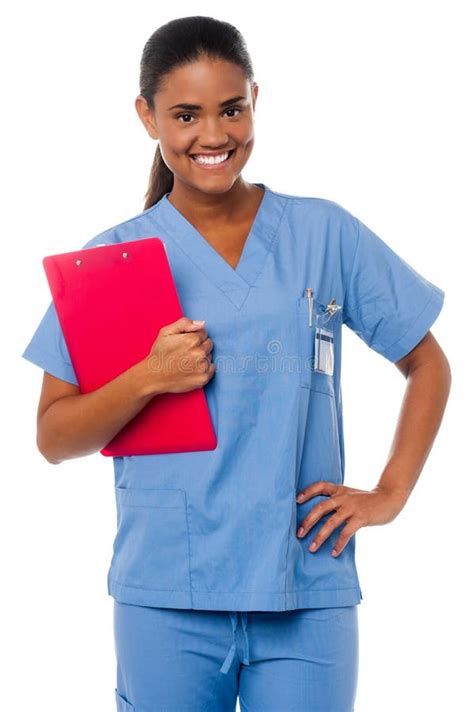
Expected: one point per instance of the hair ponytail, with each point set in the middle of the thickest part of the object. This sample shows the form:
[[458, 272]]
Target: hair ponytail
[[160, 180]]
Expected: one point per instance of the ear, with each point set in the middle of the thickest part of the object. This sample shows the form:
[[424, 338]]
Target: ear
[[254, 94], [146, 116]]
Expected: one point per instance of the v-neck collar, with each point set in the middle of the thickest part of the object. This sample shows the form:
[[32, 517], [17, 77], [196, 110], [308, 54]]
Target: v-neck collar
[[234, 283]]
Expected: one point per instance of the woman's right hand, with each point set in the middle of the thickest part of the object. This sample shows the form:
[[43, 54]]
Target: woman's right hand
[[180, 358]]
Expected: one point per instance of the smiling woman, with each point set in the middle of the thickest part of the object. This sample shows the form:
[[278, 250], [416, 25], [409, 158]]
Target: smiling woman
[[204, 539]]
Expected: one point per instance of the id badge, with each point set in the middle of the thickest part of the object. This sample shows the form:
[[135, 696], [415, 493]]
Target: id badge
[[323, 349], [324, 340]]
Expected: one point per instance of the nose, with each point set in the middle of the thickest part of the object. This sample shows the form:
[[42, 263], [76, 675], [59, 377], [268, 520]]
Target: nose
[[212, 136]]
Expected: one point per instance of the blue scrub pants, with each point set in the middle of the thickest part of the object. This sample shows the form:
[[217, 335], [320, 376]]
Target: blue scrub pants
[[187, 660]]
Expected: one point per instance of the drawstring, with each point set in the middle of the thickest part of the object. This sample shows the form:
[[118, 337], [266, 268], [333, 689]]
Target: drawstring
[[232, 650], [230, 655], [246, 649]]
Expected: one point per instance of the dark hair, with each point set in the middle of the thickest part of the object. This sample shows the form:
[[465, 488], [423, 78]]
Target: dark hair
[[175, 44]]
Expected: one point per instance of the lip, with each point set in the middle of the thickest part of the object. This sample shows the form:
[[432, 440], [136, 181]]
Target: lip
[[217, 166]]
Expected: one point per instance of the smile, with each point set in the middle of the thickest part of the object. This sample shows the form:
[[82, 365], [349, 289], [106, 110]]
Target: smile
[[212, 162]]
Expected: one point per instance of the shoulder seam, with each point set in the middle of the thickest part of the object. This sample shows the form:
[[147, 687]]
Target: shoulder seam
[[125, 222], [308, 198]]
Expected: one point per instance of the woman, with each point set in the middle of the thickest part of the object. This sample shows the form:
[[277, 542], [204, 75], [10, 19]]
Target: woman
[[233, 571]]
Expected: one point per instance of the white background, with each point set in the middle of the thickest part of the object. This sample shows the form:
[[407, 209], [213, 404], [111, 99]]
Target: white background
[[365, 103]]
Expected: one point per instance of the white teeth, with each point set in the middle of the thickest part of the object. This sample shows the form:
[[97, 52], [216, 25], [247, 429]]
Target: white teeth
[[210, 159]]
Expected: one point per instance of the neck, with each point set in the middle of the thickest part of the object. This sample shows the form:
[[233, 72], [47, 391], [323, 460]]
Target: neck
[[211, 208]]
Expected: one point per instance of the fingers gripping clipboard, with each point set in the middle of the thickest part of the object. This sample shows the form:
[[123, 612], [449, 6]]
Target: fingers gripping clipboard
[[111, 301]]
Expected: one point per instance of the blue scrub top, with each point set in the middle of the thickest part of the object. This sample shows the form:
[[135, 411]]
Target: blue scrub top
[[216, 530]]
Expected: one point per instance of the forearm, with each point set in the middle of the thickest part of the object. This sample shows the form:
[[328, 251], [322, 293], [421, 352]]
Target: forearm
[[79, 425], [422, 409]]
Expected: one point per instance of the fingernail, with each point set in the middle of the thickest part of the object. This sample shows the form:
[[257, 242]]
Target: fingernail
[[334, 552], [300, 498], [300, 531], [198, 321]]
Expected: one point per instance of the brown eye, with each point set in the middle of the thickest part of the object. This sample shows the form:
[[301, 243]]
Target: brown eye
[[234, 108]]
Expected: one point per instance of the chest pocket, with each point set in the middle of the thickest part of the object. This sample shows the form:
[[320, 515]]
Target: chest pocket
[[317, 344]]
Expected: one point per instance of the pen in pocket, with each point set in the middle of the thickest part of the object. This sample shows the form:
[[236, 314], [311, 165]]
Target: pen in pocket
[[309, 294]]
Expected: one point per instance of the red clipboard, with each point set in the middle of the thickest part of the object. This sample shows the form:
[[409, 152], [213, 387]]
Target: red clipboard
[[111, 301]]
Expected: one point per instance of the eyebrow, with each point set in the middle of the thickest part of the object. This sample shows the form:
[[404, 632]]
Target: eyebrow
[[196, 107]]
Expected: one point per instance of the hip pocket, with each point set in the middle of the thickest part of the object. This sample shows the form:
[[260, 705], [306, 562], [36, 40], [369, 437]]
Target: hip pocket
[[151, 546]]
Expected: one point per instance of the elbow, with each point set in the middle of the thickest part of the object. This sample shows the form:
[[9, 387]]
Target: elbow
[[51, 461], [45, 451]]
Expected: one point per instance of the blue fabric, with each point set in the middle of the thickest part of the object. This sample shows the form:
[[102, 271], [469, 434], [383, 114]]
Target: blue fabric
[[216, 530], [48, 349], [188, 660]]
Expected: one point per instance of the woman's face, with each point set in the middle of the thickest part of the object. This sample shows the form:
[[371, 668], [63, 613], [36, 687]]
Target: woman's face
[[204, 107]]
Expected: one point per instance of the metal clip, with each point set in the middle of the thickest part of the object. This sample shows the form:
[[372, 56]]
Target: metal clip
[[332, 307]]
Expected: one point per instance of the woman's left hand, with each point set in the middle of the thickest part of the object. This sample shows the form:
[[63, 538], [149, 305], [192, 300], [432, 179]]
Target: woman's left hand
[[359, 508]]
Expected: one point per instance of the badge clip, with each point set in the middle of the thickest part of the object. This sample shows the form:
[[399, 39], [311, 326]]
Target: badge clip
[[332, 307]]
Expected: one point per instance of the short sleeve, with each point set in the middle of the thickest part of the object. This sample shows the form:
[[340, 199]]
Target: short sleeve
[[47, 348], [387, 303]]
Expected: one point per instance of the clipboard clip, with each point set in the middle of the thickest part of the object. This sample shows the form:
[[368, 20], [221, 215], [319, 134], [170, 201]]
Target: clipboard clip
[[105, 244]]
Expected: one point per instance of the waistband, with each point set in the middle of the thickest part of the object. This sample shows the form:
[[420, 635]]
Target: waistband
[[235, 616]]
